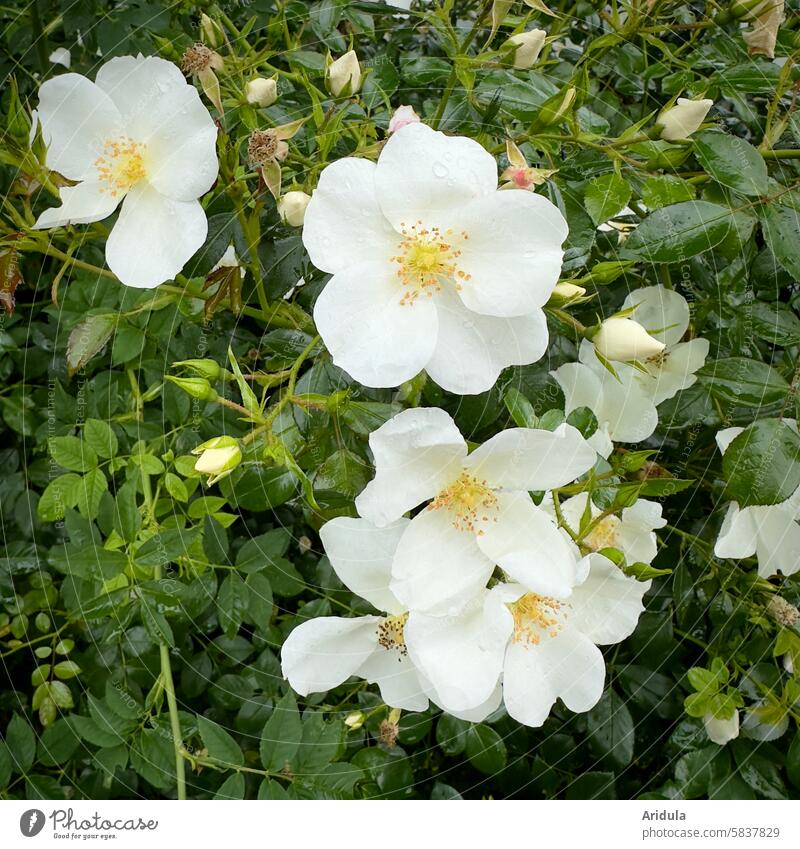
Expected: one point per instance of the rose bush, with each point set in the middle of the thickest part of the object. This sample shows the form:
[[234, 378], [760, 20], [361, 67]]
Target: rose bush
[[399, 400]]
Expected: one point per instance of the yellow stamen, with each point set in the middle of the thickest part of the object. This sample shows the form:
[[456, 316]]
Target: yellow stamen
[[605, 534], [391, 636], [121, 165], [469, 500], [534, 616], [427, 259]]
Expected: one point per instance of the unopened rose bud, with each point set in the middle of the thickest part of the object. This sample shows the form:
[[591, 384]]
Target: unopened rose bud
[[196, 387], [721, 731], [217, 457], [354, 720], [211, 31], [624, 339], [564, 292], [209, 369], [343, 76], [292, 208], [526, 48], [682, 119], [261, 92], [403, 116]]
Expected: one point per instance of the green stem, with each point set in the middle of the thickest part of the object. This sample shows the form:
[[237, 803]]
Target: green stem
[[792, 153], [451, 80], [174, 720], [166, 666]]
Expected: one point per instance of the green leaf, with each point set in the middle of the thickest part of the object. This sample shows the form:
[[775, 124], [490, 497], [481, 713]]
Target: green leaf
[[232, 602], [21, 743], [793, 761], [745, 382], [451, 734], [322, 742], [781, 228], [232, 788], [759, 772], [100, 437], [221, 746], [762, 465], [87, 339], [665, 190], [605, 196], [176, 487], [93, 486], [128, 344], [155, 624], [611, 731], [675, 233], [485, 749], [72, 453], [733, 162], [66, 669], [61, 494], [259, 600], [282, 734]]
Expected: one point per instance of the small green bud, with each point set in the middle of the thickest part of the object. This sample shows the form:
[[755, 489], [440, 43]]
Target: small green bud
[[197, 387]]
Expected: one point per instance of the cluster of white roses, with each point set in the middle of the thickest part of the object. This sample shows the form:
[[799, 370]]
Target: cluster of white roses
[[485, 598], [485, 594]]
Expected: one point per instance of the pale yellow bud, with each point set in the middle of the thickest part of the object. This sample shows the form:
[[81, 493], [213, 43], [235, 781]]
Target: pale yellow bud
[[682, 119], [217, 457], [624, 339], [568, 291], [344, 75], [261, 92], [292, 208], [527, 47]]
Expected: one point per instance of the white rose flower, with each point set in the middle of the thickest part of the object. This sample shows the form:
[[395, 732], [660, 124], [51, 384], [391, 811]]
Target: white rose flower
[[545, 648], [292, 208], [632, 532], [624, 411], [721, 731], [682, 119], [138, 135], [478, 512], [261, 92], [433, 267], [322, 653], [665, 315], [527, 47], [769, 531]]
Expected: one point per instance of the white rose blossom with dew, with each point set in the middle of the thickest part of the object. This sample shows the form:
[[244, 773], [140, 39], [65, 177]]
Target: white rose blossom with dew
[[477, 513], [770, 531], [140, 136], [543, 648], [625, 412], [433, 267], [632, 532], [324, 652]]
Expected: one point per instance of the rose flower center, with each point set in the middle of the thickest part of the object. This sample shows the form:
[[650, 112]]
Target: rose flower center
[[426, 259], [120, 165]]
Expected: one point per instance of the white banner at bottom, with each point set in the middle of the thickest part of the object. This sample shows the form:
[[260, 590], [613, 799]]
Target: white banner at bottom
[[335, 824]]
